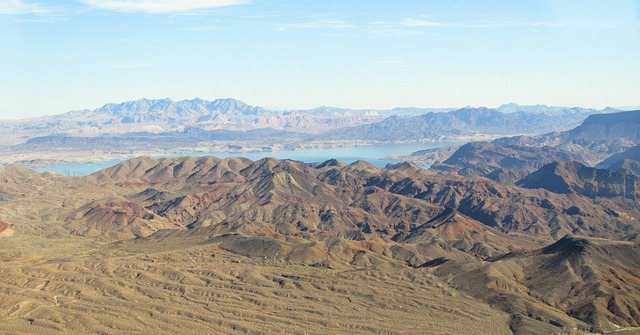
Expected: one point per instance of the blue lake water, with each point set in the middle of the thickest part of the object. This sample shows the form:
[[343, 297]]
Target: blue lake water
[[373, 154]]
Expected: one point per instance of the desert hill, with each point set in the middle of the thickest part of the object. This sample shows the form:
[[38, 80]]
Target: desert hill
[[504, 164], [576, 281], [215, 244]]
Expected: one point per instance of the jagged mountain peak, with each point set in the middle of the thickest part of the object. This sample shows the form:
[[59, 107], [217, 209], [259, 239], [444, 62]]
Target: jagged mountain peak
[[165, 112], [229, 105]]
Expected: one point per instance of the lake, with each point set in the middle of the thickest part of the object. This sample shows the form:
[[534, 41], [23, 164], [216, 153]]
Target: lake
[[373, 154]]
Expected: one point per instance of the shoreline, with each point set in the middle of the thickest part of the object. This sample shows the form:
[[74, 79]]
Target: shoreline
[[41, 159]]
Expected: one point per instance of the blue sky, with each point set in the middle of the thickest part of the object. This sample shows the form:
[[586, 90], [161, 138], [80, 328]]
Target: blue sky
[[68, 55]]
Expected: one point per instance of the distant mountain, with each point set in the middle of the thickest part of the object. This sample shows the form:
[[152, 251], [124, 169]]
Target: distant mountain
[[164, 126], [166, 115], [550, 110], [574, 177], [597, 138], [466, 122], [505, 164], [144, 110]]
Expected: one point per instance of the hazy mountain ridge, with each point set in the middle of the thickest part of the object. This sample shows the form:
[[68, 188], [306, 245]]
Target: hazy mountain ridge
[[463, 122], [602, 138], [597, 138], [632, 154], [166, 115], [148, 125]]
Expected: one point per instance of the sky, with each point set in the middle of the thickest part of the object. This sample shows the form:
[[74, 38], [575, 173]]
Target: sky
[[63, 55]]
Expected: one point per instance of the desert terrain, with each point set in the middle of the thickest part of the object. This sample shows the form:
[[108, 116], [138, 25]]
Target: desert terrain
[[193, 245]]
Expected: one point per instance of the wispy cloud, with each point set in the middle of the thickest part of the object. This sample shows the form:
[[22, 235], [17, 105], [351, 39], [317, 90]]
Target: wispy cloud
[[316, 24], [388, 28], [422, 26], [420, 23], [19, 7], [386, 62], [506, 23], [160, 6], [128, 65]]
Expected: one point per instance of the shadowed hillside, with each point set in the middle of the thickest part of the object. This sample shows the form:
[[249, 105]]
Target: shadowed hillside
[[576, 282]]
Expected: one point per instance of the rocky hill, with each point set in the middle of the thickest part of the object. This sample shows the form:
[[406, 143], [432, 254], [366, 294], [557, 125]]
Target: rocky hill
[[577, 282], [504, 164]]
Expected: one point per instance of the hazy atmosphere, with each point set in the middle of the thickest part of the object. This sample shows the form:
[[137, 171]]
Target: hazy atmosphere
[[69, 55]]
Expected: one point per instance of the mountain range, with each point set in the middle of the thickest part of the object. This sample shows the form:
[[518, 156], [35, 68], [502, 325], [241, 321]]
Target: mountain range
[[226, 125], [602, 140], [495, 242], [522, 235], [596, 139], [465, 122]]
